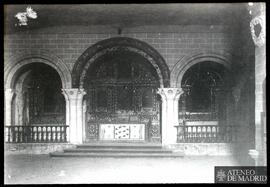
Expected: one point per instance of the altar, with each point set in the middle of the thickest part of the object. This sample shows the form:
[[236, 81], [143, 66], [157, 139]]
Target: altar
[[122, 132]]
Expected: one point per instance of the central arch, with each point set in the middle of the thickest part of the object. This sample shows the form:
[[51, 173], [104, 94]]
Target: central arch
[[121, 76], [114, 44]]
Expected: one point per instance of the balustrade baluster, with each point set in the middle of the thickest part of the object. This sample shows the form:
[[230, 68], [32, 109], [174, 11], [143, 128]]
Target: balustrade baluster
[[195, 134], [210, 134], [13, 135], [64, 133], [19, 134], [60, 134], [24, 133], [56, 134], [193, 139], [33, 135], [36, 134], [199, 133], [53, 130], [186, 133], [46, 134], [206, 134], [42, 135], [29, 132], [189, 133], [51, 135], [9, 133], [215, 133], [16, 135], [66, 129]]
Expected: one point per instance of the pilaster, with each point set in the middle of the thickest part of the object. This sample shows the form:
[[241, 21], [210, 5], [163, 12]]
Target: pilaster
[[258, 32]]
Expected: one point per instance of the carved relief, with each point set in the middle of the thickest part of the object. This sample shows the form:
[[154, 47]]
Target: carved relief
[[257, 27]]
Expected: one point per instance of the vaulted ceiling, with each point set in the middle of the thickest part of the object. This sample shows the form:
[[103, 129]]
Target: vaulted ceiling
[[128, 15]]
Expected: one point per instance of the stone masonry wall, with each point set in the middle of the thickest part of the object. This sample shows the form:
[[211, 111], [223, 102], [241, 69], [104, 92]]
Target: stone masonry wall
[[68, 43]]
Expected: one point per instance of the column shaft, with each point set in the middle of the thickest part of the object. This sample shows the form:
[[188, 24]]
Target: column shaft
[[9, 93]]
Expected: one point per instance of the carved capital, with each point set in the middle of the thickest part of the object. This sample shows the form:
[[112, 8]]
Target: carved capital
[[74, 93], [9, 93], [170, 93]]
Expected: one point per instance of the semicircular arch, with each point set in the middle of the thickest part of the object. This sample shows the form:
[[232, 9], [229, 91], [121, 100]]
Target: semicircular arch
[[18, 61], [185, 63], [100, 48]]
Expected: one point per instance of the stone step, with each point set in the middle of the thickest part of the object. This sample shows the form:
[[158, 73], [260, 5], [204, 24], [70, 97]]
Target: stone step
[[115, 155], [115, 150], [119, 146]]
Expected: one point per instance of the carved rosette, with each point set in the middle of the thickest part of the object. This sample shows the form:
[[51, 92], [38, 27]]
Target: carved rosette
[[92, 131], [257, 27]]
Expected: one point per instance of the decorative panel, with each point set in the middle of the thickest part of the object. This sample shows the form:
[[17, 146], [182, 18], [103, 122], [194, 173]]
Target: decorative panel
[[120, 132]]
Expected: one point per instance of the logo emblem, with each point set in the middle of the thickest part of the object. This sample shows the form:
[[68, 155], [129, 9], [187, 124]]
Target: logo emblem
[[221, 175]]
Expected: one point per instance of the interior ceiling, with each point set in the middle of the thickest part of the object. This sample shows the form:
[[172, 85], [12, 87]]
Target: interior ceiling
[[127, 15]]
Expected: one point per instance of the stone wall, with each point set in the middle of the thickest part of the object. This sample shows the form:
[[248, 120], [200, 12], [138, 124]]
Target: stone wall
[[207, 149], [35, 148], [175, 43]]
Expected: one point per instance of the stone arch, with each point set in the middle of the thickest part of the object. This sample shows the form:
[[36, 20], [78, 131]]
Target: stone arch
[[16, 62], [108, 45], [186, 62]]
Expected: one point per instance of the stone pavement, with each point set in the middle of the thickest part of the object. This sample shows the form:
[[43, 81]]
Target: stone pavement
[[43, 169]]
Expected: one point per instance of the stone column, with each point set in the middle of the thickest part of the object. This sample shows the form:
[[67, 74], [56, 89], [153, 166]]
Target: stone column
[[257, 26], [170, 97], [84, 118], [9, 93], [67, 111], [74, 114]]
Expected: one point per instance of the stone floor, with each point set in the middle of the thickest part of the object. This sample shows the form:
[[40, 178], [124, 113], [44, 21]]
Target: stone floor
[[43, 169]]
